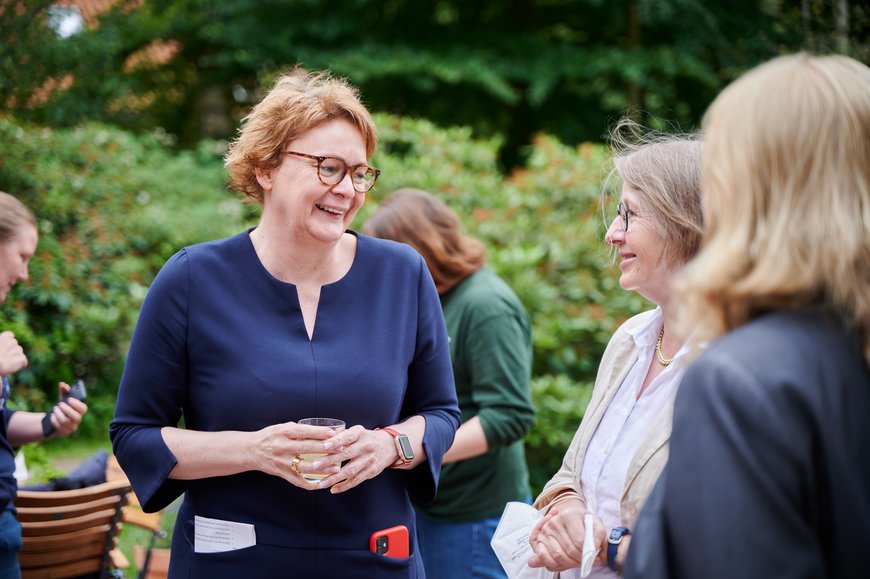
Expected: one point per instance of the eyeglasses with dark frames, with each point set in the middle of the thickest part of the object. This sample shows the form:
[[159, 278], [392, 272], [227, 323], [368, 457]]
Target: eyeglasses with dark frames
[[331, 170], [622, 211]]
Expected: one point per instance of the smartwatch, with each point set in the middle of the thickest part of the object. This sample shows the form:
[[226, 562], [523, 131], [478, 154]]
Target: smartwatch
[[613, 542], [403, 445]]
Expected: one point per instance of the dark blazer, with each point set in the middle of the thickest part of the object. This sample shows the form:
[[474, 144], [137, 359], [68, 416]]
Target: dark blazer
[[769, 470]]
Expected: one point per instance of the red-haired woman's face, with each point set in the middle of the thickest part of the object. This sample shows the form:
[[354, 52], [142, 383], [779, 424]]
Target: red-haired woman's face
[[297, 199]]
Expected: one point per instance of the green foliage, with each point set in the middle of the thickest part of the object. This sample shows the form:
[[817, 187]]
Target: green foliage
[[543, 227], [565, 67], [560, 404], [111, 209], [114, 206], [39, 466]]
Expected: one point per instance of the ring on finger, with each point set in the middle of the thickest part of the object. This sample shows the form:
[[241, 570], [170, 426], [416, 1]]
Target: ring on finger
[[294, 466]]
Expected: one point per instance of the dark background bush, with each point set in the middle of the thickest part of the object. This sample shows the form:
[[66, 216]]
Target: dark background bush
[[503, 67]]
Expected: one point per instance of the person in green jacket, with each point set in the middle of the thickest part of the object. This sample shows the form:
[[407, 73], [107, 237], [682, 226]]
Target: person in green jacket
[[491, 350]]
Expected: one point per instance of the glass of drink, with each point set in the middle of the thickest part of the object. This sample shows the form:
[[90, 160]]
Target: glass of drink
[[333, 423]]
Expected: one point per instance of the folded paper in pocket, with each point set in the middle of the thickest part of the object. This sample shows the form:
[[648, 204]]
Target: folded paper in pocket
[[218, 536]]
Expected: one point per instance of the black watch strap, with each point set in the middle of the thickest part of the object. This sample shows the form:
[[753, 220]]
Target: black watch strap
[[47, 426], [613, 542]]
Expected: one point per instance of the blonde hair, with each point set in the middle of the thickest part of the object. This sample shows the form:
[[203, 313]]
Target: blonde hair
[[13, 214], [786, 182], [665, 169], [425, 223], [298, 102]]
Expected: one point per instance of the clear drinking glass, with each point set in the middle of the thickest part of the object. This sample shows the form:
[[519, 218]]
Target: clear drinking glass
[[333, 423]]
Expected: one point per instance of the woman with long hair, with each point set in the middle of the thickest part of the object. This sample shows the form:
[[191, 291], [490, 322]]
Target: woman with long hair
[[18, 240], [491, 351], [769, 468]]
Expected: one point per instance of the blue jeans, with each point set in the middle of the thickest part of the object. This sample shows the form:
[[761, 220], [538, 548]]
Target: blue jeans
[[10, 544], [458, 550]]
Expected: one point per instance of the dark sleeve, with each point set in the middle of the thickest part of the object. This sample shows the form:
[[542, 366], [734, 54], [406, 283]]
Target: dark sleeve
[[732, 501], [154, 387], [7, 485], [500, 351], [431, 391], [650, 555]]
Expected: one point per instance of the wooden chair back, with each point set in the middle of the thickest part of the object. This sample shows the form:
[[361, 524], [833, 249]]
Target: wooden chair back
[[152, 563], [69, 533]]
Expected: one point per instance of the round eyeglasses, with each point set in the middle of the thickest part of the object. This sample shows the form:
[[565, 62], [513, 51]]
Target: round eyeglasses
[[331, 170], [622, 211]]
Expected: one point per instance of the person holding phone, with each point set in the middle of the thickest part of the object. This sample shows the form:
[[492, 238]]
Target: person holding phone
[[18, 239], [769, 468], [298, 317]]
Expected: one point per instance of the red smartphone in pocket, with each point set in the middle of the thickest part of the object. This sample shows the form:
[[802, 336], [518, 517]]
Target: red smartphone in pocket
[[392, 542]]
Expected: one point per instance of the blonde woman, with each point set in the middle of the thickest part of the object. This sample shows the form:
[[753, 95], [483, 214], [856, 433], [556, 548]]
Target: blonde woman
[[621, 445], [18, 240], [769, 469]]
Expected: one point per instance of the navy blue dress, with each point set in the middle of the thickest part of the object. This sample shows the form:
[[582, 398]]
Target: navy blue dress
[[221, 344]]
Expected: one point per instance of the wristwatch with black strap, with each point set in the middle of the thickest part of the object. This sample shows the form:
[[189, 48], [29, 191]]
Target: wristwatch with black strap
[[403, 445], [613, 542]]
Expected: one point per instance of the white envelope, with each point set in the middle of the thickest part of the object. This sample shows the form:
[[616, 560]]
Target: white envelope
[[511, 544], [511, 541]]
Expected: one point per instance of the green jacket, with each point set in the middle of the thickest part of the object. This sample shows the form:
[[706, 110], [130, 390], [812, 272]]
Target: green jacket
[[491, 350]]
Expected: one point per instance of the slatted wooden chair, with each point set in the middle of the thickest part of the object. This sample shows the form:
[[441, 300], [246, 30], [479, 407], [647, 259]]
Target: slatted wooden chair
[[69, 533], [151, 562]]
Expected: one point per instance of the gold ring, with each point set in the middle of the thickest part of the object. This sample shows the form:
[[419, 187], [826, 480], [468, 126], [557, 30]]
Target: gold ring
[[294, 466]]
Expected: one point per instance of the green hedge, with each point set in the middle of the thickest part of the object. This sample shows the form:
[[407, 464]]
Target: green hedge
[[543, 227], [114, 206], [111, 208]]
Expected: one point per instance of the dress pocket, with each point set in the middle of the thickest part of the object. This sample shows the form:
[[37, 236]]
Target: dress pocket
[[247, 562], [392, 567], [267, 561]]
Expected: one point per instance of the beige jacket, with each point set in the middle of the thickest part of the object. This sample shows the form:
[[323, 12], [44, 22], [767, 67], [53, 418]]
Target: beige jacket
[[652, 452]]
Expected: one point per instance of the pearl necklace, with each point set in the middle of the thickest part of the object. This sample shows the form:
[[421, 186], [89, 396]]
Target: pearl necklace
[[662, 360]]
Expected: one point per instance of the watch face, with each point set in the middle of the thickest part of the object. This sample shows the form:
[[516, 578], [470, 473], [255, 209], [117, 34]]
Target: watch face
[[405, 447], [617, 534]]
